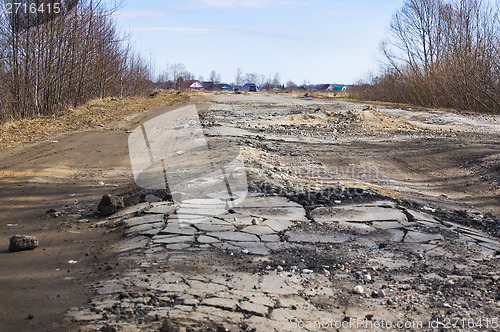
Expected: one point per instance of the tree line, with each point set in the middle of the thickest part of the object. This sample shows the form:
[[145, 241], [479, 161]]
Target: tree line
[[51, 63], [442, 53]]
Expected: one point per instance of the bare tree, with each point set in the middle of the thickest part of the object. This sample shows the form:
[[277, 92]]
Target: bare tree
[[180, 74], [178, 70], [276, 81], [215, 77], [290, 85], [443, 53], [252, 78], [267, 82], [238, 78], [53, 61]]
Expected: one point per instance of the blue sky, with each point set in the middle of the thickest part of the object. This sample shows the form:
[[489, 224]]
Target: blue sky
[[318, 41]]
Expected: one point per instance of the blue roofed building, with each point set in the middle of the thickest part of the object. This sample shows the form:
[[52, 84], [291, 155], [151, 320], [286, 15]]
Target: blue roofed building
[[340, 88], [250, 87], [223, 87]]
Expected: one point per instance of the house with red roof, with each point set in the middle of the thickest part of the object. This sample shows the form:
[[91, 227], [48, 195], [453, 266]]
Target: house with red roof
[[193, 85]]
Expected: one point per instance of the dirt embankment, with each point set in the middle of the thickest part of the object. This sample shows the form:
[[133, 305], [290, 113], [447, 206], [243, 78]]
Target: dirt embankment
[[99, 112]]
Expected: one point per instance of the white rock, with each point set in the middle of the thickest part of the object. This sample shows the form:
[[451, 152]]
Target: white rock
[[429, 209], [359, 289], [367, 278]]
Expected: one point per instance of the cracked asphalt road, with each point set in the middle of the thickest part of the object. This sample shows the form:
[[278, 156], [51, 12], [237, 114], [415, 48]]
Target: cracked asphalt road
[[355, 216], [341, 231]]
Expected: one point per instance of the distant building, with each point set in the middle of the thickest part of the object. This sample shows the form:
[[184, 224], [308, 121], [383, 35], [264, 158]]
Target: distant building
[[210, 86], [328, 87], [339, 88], [250, 87], [193, 85], [223, 87]]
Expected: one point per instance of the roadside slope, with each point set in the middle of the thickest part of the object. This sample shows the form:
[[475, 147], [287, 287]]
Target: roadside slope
[[68, 172]]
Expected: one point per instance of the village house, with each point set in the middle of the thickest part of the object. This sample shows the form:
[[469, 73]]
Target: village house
[[209, 86], [250, 87], [223, 87], [339, 88], [193, 85]]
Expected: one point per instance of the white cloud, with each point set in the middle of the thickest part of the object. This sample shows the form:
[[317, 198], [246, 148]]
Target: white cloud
[[171, 30]]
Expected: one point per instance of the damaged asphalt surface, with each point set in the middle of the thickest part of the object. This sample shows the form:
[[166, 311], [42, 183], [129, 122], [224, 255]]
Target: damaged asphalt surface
[[356, 218]]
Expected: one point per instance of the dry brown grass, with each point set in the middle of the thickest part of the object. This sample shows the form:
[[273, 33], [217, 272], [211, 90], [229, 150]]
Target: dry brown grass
[[94, 113]]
